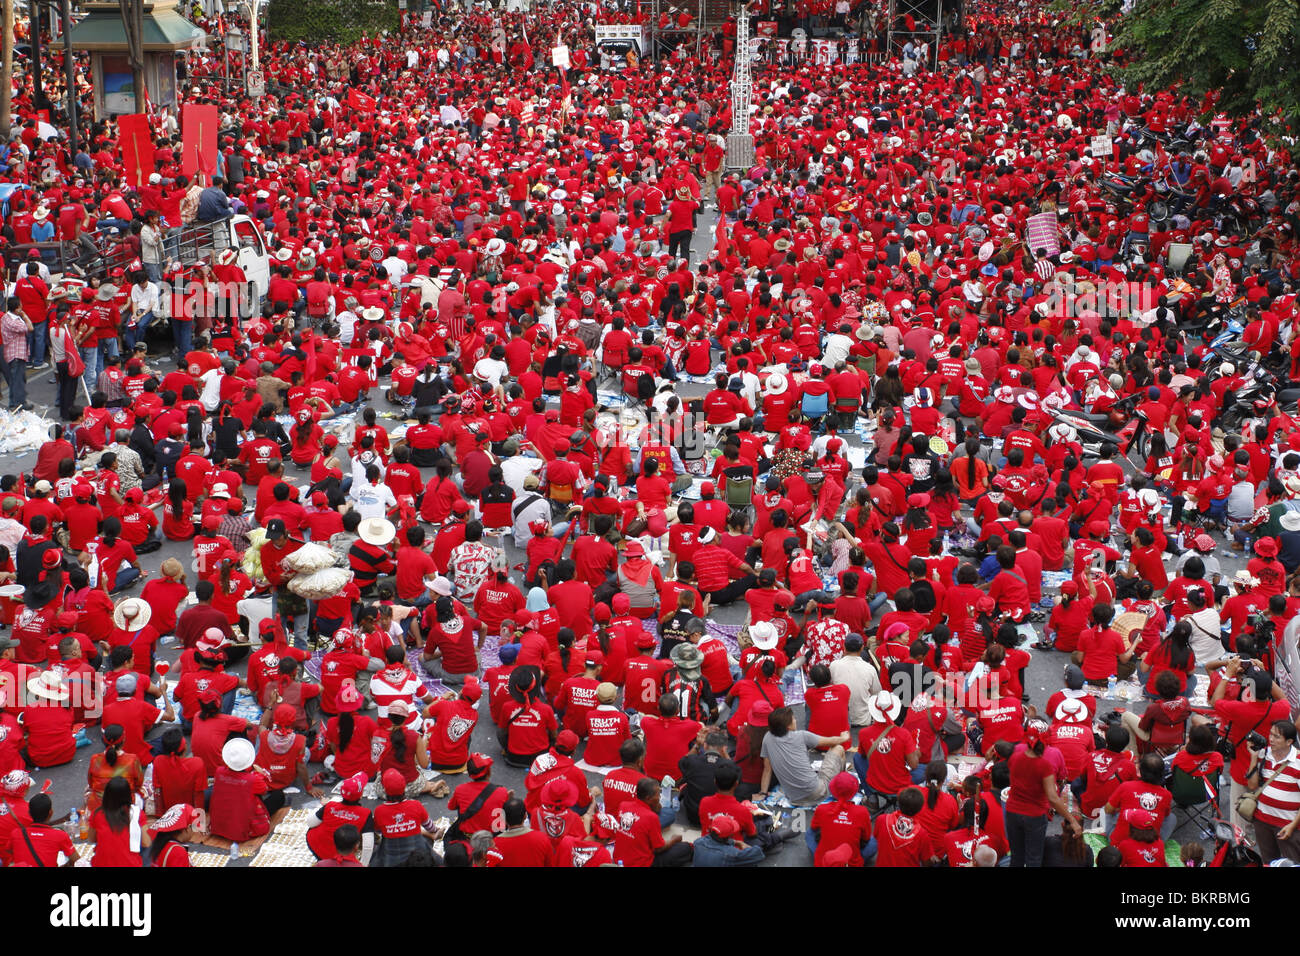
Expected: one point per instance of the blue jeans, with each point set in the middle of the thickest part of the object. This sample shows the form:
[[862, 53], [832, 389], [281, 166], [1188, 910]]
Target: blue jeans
[[16, 376], [90, 355], [108, 349], [37, 340], [820, 596], [183, 330], [1026, 836], [135, 333], [125, 578]]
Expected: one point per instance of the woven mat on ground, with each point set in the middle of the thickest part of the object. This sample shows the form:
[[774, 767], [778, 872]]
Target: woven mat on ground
[[1099, 841], [247, 848], [727, 633]]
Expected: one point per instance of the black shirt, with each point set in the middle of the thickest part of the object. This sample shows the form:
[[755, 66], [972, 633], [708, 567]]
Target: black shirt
[[697, 779]]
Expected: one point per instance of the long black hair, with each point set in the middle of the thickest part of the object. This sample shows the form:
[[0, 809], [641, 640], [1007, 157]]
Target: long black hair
[[396, 738], [346, 728], [113, 735], [116, 803], [177, 493]]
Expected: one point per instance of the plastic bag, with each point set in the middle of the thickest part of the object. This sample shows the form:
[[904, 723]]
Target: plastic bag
[[321, 584], [309, 559]]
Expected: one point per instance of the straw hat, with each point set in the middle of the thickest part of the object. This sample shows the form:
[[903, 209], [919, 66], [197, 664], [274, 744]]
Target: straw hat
[[376, 531], [132, 614], [49, 685], [884, 707], [1071, 710], [763, 635]]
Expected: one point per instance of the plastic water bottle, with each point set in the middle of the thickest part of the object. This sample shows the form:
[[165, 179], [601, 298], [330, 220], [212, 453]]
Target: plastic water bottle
[[74, 824], [234, 851], [1111, 685], [668, 785]]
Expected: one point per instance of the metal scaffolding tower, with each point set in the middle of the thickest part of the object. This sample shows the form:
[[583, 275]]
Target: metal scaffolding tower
[[740, 141], [930, 12]]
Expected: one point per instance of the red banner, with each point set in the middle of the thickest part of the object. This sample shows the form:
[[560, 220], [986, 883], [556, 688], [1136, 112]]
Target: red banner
[[361, 102], [137, 148], [199, 124]]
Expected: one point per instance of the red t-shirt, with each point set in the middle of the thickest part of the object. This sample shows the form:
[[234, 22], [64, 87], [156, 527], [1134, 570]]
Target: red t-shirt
[[840, 823], [901, 841], [639, 834], [667, 740], [1027, 774]]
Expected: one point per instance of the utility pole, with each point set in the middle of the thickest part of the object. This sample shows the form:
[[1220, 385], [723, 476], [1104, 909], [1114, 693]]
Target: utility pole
[[133, 24], [7, 70], [70, 76], [39, 99], [740, 142]]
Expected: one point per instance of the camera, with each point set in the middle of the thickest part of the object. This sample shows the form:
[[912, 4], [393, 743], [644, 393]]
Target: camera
[[1255, 741]]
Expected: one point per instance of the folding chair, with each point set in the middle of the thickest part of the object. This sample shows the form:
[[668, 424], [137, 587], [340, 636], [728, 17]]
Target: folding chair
[[739, 492], [1197, 798]]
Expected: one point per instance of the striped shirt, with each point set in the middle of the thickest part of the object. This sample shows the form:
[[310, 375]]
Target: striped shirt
[[1280, 799]]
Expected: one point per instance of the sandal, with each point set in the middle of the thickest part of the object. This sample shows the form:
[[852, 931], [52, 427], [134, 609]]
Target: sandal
[[1042, 646]]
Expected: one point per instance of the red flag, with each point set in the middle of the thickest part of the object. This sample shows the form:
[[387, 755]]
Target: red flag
[[721, 241], [361, 102], [137, 147], [199, 124]]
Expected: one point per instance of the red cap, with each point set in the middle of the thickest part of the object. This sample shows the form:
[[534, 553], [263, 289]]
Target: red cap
[[478, 766], [724, 827], [567, 740], [594, 658], [558, 793], [707, 489], [284, 715], [472, 690], [393, 781], [353, 787], [602, 613]]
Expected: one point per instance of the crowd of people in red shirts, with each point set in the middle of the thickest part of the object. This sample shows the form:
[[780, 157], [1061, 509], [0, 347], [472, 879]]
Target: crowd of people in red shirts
[[902, 298]]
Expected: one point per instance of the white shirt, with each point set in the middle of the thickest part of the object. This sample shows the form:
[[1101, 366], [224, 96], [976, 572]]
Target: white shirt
[[144, 298], [863, 683], [347, 321], [1205, 641], [491, 371], [533, 511], [211, 394], [396, 268], [516, 468], [373, 501]]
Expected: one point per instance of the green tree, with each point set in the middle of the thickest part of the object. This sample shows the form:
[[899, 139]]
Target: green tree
[[341, 21], [1245, 49]]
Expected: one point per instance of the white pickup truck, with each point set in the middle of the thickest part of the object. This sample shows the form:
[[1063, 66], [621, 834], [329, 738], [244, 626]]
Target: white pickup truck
[[204, 240]]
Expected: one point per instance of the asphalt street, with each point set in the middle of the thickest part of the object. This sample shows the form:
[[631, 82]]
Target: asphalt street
[[1043, 676]]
